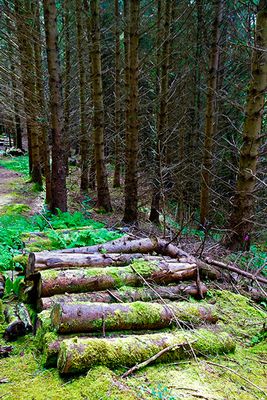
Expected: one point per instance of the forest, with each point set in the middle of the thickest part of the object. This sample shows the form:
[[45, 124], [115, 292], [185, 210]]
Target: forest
[[133, 201]]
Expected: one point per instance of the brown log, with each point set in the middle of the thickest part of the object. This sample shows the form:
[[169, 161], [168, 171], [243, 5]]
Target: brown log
[[79, 355], [125, 294], [85, 280], [237, 270], [15, 326], [49, 260], [95, 317], [2, 285], [147, 245]]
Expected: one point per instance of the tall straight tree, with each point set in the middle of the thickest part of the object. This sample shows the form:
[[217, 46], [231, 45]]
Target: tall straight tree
[[58, 177], [84, 137], [241, 221], [131, 194], [40, 96], [117, 169], [103, 196], [164, 66], [210, 121], [24, 22]]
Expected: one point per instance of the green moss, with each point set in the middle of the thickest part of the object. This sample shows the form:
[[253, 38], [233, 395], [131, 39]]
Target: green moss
[[237, 316], [40, 244], [11, 209], [22, 259], [43, 326]]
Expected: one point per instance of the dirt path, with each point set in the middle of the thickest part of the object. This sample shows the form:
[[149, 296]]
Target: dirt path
[[15, 190]]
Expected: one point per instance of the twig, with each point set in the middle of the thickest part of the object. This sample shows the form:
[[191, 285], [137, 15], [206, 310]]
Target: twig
[[153, 358], [114, 296], [240, 376]]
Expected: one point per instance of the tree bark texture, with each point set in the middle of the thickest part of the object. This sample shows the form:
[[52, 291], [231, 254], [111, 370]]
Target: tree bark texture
[[103, 196], [131, 195], [58, 177], [125, 294], [241, 221], [95, 317], [210, 120], [86, 280], [78, 355], [84, 135]]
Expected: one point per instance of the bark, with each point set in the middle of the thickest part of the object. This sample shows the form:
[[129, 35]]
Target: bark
[[84, 136], [40, 96], [103, 196], [210, 116], [58, 177], [2, 285], [163, 111], [128, 245], [125, 294], [253, 277], [241, 220], [66, 82], [118, 144], [85, 280], [131, 194], [25, 41], [16, 326], [95, 317], [79, 355]]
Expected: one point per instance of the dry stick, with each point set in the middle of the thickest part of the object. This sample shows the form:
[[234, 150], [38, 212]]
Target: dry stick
[[153, 358], [240, 376], [235, 269], [114, 296]]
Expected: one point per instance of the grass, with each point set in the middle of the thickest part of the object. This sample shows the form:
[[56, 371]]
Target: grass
[[19, 164]]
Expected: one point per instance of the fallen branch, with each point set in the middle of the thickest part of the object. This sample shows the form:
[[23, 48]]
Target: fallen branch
[[153, 358], [236, 270]]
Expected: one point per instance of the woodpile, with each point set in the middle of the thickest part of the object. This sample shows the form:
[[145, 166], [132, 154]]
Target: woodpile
[[102, 305]]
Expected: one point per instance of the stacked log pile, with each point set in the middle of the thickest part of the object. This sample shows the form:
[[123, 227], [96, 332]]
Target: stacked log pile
[[98, 303]]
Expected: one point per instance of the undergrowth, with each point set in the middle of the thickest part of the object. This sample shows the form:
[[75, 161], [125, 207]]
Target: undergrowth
[[13, 226], [19, 164]]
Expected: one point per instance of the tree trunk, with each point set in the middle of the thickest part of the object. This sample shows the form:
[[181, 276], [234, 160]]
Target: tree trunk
[[79, 355], [84, 137], [49, 283], [210, 116], [117, 130], [125, 294], [58, 177], [43, 125], [103, 197], [24, 21], [131, 194], [163, 110], [95, 317], [66, 83], [241, 221]]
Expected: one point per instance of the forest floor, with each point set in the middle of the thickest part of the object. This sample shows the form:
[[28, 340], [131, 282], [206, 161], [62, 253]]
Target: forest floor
[[238, 376]]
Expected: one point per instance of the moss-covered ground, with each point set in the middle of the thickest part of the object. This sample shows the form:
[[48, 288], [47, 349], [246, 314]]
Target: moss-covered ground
[[242, 375]]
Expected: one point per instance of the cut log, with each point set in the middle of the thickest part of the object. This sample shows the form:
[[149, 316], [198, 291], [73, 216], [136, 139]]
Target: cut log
[[2, 285], [79, 355], [125, 294], [53, 282], [147, 245], [95, 317], [237, 270], [50, 260], [15, 326]]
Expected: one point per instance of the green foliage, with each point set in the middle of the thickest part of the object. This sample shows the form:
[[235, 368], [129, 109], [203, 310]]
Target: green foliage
[[12, 226], [12, 286], [253, 260], [14, 209], [19, 164]]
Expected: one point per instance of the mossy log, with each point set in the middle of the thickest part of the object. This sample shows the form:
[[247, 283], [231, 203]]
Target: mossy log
[[50, 260], [129, 245], [125, 294], [51, 282], [16, 326], [95, 317], [79, 355], [2, 285]]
